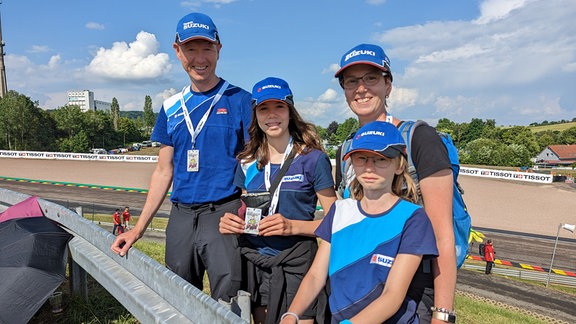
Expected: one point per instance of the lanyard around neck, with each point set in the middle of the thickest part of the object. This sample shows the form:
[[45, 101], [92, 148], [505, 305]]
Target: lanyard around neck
[[276, 193], [195, 131]]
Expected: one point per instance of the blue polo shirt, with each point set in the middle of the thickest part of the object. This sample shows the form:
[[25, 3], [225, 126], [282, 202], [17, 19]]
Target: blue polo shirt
[[221, 139]]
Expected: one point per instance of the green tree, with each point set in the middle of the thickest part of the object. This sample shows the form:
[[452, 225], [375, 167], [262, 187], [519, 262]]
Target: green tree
[[115, 110], [321, 131], [568, 136], [23, 125], [69, 120], [100, 130], [472, 131], [546, 138], [490, 130], [348, 126], [482, 151], [516, 155], [331, 152], [445, 125], [333, 140], [45, 139], [76, 143], [149, 116], [456, 134], [521, 135], [129, 130], [332, 128]]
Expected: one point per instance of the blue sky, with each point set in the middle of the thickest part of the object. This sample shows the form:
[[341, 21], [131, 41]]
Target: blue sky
[[509, 60]]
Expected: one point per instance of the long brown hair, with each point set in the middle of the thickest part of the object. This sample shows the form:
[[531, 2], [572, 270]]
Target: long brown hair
[[304, 138], [403, 185]]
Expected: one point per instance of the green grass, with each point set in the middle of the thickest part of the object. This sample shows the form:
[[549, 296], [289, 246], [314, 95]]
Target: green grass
[[472, 311], [553, 127], [157, 222]]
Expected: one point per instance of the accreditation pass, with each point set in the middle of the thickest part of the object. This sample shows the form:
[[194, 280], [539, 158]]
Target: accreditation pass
[[193, 161]]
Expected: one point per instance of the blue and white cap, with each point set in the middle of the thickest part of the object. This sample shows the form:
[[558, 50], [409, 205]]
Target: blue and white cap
[[196, 26], [271, 89], [378, 137], [365, 54]]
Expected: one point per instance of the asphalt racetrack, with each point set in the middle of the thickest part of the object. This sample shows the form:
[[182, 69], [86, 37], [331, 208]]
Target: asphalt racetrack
[[522, 218]]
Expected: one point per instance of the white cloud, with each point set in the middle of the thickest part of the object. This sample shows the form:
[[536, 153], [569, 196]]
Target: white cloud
[[543, 106], [95, 26], [333, 68], [54, 60], [135, 61], [569, 67], [23, 73], [375, 2], [329, 106], [39, 49], [522, 49], [329, 95], [159, 98], [492, 10], [215, 3], [403, 97]]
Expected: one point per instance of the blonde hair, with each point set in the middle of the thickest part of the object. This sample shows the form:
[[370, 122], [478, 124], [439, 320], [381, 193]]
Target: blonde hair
[[403, 185]]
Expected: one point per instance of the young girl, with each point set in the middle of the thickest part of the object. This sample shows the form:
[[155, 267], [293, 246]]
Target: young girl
[[371, 244], [283, 246]]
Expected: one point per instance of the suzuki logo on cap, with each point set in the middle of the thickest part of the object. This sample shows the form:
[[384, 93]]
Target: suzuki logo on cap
[[361, 52], [270, 86], [372, 132], [191, 24]]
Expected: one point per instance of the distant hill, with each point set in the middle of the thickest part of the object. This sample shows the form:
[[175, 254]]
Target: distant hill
[[552, 127], [131, 114]]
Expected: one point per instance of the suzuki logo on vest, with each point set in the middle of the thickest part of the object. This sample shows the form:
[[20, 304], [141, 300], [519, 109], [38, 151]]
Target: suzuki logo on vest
[[382, 260]]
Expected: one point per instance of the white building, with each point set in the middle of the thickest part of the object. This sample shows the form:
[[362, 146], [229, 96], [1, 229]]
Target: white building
[[85, 100]]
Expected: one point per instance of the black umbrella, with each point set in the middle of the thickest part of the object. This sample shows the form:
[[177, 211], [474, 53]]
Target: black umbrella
[[33, 257]]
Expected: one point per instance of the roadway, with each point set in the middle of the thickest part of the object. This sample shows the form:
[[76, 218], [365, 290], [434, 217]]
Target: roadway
[[533, 249]]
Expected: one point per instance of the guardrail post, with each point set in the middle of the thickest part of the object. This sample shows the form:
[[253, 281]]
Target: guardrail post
[[239, 305], [79, 279]]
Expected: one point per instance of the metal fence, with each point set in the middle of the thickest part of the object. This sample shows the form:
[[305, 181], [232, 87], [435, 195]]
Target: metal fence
[[148, 290], [527, 274]]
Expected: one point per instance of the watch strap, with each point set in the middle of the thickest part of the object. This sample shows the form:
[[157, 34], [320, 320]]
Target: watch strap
[[445, 317]]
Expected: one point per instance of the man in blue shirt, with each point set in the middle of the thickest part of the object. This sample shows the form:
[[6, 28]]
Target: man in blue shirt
[[201, 128]]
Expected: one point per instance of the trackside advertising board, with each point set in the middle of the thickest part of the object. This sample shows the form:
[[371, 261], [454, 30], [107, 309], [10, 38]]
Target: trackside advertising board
[[77, 156], [475, 172], [505, 174]]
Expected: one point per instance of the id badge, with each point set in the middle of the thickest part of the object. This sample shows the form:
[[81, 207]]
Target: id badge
[[252, 220], [193, 161]]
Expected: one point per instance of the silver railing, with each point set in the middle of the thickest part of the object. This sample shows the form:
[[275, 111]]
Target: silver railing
[[147, 289], [526, 274]]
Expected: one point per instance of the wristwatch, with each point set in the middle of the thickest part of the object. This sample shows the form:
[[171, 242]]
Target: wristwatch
[[443, 314]]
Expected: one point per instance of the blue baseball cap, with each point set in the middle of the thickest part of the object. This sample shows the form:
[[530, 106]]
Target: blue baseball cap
[[271, 89], [365, 54], [378, 137], [196, 26]]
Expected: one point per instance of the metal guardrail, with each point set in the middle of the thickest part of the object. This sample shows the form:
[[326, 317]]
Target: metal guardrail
[[527, 274], [148, 290]]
